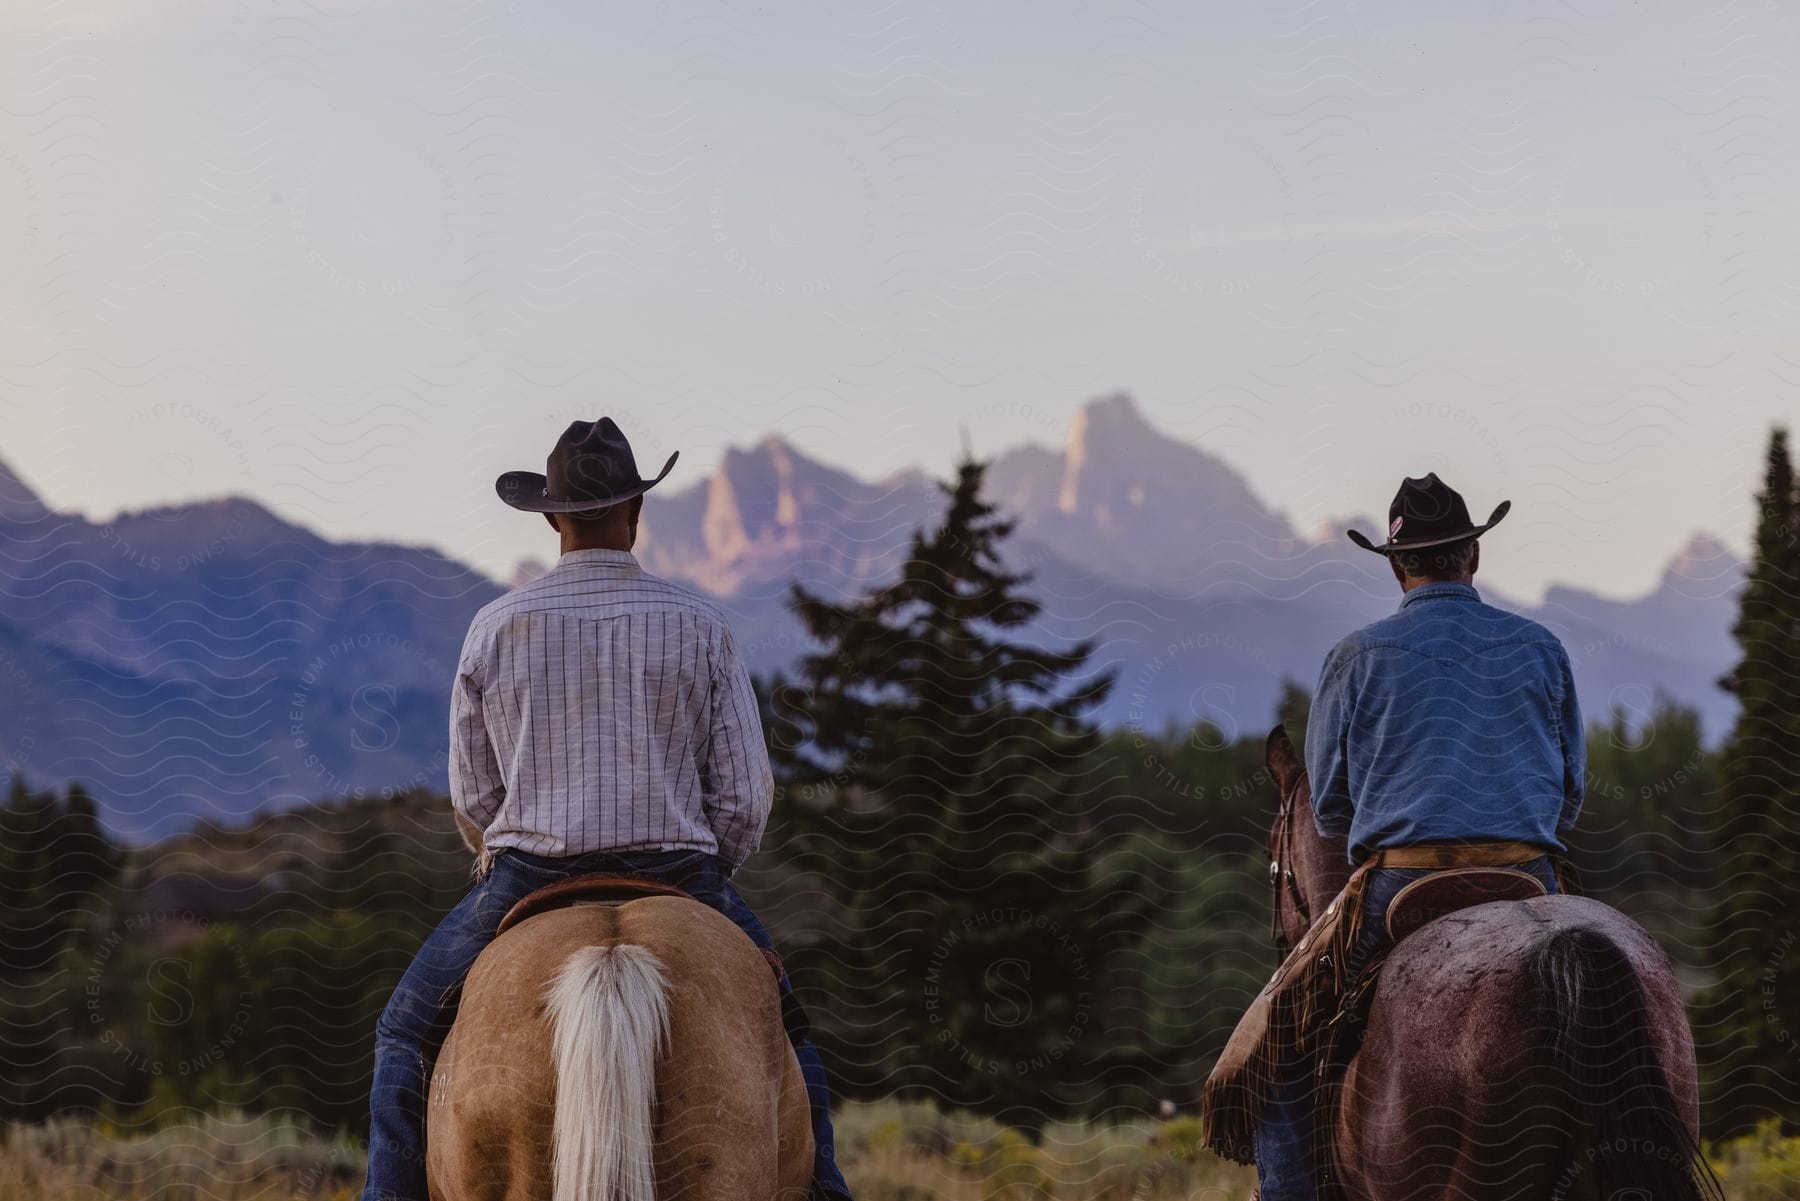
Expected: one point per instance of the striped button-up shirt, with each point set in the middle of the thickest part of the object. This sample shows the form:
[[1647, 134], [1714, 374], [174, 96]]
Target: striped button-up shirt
[[599, 708]]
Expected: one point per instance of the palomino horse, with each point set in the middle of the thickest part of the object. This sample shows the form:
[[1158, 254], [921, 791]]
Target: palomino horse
[[1518, 1049], [631, 1051]]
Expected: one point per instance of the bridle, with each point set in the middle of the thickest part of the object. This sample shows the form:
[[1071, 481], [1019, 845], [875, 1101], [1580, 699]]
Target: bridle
[[1281, 872]]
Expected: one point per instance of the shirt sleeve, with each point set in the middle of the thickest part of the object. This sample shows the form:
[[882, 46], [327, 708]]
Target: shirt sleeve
[[736, 782], [1327, 751], [1574, 750], [477, 788]]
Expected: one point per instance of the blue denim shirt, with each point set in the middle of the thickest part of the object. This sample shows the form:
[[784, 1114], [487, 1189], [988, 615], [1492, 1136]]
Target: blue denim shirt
[[1449, 721]]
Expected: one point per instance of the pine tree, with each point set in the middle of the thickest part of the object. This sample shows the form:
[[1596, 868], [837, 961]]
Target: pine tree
[[1755, 1008], [956, 757], [57, 872], [86, 859]]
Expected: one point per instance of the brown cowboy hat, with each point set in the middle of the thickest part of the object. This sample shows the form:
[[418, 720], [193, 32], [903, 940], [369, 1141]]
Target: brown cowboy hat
[[590, 467], [1428, 512]]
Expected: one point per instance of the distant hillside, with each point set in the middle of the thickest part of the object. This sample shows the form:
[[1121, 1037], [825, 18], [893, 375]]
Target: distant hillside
[[399, 855], [208, 660], [211, 660]]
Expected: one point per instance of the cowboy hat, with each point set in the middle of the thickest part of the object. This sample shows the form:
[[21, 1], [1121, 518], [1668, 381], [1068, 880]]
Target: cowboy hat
[[590, 467], [1428, 512]]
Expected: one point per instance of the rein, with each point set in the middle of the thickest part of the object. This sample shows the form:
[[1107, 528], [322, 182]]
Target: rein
[[1281, 872]]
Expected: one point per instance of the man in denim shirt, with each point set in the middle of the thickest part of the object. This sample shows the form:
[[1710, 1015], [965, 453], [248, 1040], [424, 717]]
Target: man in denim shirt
[[1449, 722]]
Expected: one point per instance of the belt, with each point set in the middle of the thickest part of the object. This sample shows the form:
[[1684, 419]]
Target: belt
[[1448, 854]]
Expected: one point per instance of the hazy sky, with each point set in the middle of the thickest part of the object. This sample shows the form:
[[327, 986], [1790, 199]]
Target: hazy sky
[[353, 259]]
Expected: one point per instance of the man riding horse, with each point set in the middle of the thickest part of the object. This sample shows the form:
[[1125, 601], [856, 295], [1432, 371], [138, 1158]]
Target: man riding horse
[[601, 721], [1445, 736]]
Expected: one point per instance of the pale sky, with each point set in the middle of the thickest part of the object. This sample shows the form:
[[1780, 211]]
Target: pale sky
[[354, 259]]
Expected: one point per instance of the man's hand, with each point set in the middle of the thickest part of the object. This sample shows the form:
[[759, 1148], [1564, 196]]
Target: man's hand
[[471, 833], [471, 836]]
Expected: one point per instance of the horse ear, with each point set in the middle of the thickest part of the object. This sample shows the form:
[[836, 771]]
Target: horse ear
[[1282, 759]]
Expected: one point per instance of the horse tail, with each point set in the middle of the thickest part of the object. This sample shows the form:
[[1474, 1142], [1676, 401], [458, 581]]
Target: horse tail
[[609, 1009], [1629, 1139]]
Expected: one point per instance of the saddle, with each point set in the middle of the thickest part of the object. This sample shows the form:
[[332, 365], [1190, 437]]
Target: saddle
[[614, 888], [595, 888], [1431, 897]]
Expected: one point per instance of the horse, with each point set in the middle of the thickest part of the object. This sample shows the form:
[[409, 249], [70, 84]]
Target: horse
[[1516, 1049], [627, 1050]]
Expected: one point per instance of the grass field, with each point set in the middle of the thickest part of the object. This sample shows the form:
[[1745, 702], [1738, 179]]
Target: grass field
[[891, 1151]]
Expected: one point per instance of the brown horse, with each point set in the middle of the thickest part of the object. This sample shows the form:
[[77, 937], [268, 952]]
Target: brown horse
[[631, 1051], [1519, 1049]]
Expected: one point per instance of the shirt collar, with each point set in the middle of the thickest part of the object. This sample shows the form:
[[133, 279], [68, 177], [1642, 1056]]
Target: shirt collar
[[1443, 591], [598, 555]]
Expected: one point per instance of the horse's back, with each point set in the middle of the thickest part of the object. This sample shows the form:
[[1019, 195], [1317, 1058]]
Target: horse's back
[[726, 1080], [1453, 1082]]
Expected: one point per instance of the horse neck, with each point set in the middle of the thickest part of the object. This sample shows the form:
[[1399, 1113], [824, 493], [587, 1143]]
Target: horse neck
[[1322, 864]]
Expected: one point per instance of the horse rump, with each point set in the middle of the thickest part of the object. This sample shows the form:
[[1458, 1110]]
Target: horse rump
[[1627, 1135], [609, 1012]]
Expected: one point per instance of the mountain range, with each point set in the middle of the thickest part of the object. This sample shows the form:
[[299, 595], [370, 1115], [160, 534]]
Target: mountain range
[[209, 660]]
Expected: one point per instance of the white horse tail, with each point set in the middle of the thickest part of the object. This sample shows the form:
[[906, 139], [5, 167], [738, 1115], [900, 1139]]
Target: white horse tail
[[609, 1009]]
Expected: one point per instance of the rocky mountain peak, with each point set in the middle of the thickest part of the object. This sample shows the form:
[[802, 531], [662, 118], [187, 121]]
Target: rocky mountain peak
[[753, 496], [1123, 478], [1115, 419], [1105, 431], [18, 503], [1703, 568], [1703, 558]]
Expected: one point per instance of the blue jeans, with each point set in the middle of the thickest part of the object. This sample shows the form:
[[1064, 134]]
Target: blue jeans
[[1284, 1162], [419, 1014]]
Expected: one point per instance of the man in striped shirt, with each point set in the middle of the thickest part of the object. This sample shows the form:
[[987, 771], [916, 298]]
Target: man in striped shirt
[[600, 720]]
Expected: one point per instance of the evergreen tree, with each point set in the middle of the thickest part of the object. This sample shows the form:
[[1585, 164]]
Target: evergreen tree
[[1755, 1008], [955, 762], [57, 871], [87, 860], [1648, 817], [55, 865]]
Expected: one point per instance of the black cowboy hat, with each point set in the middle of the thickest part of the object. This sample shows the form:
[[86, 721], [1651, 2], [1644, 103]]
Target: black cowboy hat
[[590, 467], [1428, 512]]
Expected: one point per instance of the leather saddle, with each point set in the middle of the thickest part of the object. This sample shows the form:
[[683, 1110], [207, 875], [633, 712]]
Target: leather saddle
[[606, 888], [1441, 892], [595, 888]]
